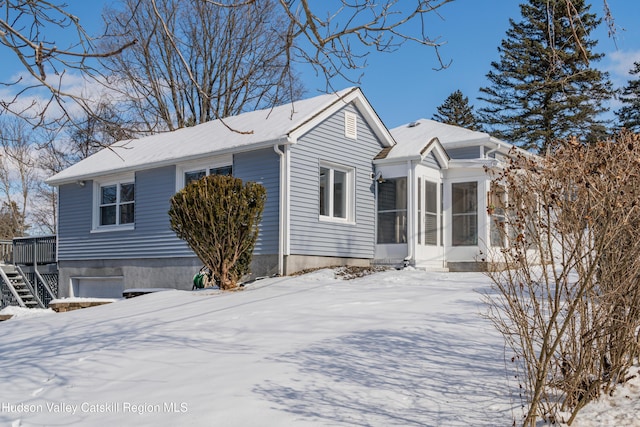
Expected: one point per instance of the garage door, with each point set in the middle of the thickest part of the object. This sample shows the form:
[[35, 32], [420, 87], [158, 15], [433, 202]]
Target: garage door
[[98, 287]]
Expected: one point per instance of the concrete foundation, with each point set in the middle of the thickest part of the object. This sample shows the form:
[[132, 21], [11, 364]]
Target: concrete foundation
[[176, 273], [471, 266], [296, 263]]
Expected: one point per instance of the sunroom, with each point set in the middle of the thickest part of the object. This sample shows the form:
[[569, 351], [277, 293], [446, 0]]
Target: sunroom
[[433, 196]]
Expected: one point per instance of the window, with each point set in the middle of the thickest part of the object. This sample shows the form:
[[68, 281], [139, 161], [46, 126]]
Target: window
[[194, 175], [336, 192], [496, 211], [392, 211], [431, 213], [428, 213], [116, 204], [193, 171], [191, 176], [464, 214]]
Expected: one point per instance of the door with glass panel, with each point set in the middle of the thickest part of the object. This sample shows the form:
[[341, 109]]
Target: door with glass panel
[[429, 220]]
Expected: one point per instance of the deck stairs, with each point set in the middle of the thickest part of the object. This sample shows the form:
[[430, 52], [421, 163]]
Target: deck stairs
[[16, 289]]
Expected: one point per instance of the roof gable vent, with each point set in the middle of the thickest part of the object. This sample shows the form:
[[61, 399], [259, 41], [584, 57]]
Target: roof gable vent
[[350, 125]]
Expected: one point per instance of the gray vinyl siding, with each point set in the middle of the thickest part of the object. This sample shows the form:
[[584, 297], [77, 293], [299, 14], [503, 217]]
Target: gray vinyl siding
[[431, 161], [464, 153], [263, 167], [152, 236], [326, 142]]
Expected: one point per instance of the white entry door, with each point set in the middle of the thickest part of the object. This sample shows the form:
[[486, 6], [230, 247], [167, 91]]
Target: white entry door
[[429, 239]]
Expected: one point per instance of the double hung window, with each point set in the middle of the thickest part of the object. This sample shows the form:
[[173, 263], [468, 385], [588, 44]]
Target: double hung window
[[115, 207]]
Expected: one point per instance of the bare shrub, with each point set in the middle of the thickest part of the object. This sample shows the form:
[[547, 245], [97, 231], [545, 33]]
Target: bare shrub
[[568, 298]]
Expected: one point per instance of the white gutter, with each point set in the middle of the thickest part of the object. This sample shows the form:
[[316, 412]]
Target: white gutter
[[499, 145], [70, 178]]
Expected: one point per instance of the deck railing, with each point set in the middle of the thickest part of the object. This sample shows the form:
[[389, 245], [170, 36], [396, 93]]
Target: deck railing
[[33, 258], [34, 250], [45, 285]]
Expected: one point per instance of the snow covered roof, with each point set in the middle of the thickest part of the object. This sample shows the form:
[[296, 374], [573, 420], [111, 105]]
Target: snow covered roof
[[413, 138], [247, 131]]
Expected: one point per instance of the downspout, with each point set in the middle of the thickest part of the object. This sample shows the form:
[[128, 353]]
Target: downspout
[[283, 205], [442, 219], [377, 179], [493, 150], [410, 206]]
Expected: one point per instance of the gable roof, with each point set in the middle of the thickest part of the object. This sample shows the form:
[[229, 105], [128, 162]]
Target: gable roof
[[248, 131], [413, 139]]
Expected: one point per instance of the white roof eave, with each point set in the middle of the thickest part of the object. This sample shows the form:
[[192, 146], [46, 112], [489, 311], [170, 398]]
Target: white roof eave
[[490, 162], [398, 160], [73, 178]]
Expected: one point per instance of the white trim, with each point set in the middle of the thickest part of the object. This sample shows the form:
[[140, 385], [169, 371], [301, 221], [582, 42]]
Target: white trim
[[411, 211], [350, 173], [356, 97], [440, 154], [96, 202], [201, 164]]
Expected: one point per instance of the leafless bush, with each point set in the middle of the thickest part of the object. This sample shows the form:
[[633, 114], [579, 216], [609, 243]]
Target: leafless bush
[[568, 299]]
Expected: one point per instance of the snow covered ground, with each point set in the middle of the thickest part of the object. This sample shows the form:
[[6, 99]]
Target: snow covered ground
[[398, 348]]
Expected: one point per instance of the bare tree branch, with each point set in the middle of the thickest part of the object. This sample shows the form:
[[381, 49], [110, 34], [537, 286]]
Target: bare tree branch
[[27, 29]]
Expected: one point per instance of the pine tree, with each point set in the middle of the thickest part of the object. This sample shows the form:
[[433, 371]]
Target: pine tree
[[456, 111], [543, 88], [629, 114]]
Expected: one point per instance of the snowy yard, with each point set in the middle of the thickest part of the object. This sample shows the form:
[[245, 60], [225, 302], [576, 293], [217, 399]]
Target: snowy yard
[[398, 348]]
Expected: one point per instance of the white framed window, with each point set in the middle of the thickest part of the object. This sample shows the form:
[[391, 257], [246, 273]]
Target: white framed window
[[336, 192], [114, 204], [193, 171], [430, 213], [464, 213], [350, 125], [428, 219], [392, 210], [496, 202]]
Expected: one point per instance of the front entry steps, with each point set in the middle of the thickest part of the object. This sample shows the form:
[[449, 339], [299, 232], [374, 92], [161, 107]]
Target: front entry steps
[[432, 268]]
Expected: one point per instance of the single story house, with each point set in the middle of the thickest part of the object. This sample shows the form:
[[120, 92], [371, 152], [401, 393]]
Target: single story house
[[341, 189]]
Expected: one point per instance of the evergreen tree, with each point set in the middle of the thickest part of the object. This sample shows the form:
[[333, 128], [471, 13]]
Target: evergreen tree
[[456, 111], [218, 217], [543, 88], [629, 114]]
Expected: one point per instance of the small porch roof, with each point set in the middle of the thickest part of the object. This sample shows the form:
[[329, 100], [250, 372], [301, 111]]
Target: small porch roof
[[413, 139]]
